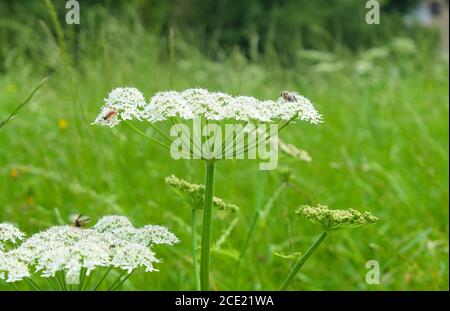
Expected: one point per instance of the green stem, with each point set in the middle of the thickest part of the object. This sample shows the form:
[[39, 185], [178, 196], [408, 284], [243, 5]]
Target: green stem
[[122, 281], [14, 286], [55, 288], [193, 249], [58, 280], [116, 281], [88, 281], [102, 279], [63, 277], [81, 280], [147, 136], [160, 132], [33, 284], [302, 261], [206, 227]]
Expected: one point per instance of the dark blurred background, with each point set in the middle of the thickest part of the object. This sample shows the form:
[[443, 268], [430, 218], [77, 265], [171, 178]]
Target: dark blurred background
[[253, 26]]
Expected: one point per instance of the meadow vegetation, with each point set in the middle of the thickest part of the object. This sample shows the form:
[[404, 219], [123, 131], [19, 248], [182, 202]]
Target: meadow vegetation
[[383, 148]]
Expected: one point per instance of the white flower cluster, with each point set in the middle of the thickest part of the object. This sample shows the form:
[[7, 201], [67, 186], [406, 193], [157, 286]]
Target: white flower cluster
[[112, 242], [121, 227], [121, 104], [9, 233], [195, 103], [10, 268]]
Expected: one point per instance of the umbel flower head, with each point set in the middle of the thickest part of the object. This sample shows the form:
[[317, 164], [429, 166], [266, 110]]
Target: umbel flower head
[[127, 103], [121, 104], [121, 227], [113, 242], [330, 219], [9, 233], [10, 268], [195, 194]]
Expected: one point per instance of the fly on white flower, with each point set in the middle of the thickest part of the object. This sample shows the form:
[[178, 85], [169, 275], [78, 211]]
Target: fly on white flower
[[121, 104], [129, 103], [211, 125]]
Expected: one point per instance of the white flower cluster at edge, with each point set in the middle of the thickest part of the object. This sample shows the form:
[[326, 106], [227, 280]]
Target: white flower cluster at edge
[[112, 242]]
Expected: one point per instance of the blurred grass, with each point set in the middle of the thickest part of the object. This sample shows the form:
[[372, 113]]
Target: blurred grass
[[383, 148]]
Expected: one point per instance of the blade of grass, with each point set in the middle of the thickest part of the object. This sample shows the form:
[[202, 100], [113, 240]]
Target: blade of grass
[[26, 101]]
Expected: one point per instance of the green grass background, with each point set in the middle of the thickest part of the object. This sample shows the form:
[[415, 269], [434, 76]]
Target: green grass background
[[382, 148]]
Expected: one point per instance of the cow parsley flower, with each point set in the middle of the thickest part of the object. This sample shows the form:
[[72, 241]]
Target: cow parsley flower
[[111, 223], [195, 103], [154, 234], [148, 235], [195, 194], [330, 219], [129, 103], [9, 233], [202, 105], [112, 242], [11, 269], [121, 104]]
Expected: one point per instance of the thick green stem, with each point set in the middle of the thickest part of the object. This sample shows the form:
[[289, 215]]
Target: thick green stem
[[55, 288], [14, 287], [117, 282], [102, 279], [123, 280], [302, 261], [88, 281], [82, 277], [193, 249], [206, 227], [33, 284]]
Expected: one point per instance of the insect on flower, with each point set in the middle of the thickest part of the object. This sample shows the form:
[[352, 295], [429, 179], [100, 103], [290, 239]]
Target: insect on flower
[[287, 96], [80, 221], [109, 115]]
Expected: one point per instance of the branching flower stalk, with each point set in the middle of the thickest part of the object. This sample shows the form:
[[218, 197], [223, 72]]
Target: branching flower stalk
[[220, 109], [329, 220], [195, 196]]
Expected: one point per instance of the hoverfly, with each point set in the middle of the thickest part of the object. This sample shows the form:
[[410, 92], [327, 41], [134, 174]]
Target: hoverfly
[[287, 96], [80, 221], [109, 115]]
